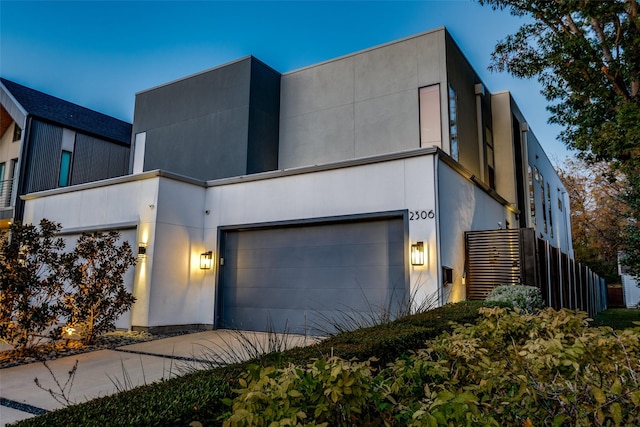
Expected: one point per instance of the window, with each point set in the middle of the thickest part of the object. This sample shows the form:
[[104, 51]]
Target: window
[[17, 132], [453, 123], [544, 204], [430, 134], [532, 199], [550, 217], [65, 169], [2, 182], [491, 174]]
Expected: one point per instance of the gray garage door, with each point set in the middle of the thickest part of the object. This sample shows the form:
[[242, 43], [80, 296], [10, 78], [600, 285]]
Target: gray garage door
[[301, 276]]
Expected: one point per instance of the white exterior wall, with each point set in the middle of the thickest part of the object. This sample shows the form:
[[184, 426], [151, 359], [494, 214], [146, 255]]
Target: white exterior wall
[[631, 291], [179, 220], [463, 206], [561, 218], [113, 204], [377, 187]]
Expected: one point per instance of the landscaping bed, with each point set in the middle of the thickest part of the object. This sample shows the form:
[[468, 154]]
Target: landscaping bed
[[199, 398]]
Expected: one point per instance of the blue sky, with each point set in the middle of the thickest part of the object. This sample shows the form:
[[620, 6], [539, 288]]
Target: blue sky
[[100, 53]]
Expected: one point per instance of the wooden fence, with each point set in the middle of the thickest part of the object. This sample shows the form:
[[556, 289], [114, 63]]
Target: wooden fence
[[509, 257]]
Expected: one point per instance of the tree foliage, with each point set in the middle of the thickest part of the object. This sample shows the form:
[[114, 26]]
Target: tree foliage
[[586, 55], [43, 284], [598, 213], [96, 296], [31, 281]]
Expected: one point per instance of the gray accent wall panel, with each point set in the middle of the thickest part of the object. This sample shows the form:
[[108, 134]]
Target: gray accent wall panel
[[462, 78], [44, 157], [360, 105], [385, 121], [301, 275], [264, 118], [216, 124], [95, 159]]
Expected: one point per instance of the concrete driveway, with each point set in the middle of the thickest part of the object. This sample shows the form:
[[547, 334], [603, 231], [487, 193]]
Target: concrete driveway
[[104, 372]]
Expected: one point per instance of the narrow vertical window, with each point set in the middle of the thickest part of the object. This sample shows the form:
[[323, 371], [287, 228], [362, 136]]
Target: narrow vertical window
[[17, 132], [430, 133], [65, 169], [544, 205], [549, 204], [3, 183], [532, 198], [453, 124], [491, 169]]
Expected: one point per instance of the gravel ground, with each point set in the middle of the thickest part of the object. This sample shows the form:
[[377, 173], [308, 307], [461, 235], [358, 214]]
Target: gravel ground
[[52, 351]]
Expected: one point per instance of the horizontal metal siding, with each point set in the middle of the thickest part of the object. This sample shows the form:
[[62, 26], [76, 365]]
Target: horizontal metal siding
[[95, 159], [43, 167], [493, 258]]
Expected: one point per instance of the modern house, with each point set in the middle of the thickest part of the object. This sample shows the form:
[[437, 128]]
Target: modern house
[[46, 143], [258, 197]]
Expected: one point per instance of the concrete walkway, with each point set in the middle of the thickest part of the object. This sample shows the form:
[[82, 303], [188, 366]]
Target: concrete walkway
[[103, 372]]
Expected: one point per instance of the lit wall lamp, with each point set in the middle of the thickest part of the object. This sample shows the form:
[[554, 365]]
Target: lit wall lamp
[[142, 250], [206, 260], [417, 253]]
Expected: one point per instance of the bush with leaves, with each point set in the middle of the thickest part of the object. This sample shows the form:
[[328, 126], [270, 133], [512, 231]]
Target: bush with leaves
[[331, 392], [527, 298], [31, 283], [96, 295], [548, 368], [41, 284]]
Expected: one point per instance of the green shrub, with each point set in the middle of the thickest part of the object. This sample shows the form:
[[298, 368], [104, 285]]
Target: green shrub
[[527, 298], [198, 396], [31, 283], [510, 368]]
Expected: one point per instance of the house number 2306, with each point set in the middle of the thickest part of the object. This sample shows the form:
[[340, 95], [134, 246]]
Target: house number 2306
[[417, 215]]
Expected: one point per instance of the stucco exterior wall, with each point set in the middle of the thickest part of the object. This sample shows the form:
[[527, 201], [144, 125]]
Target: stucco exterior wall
[[558, 234], [503, 143], [369, 188], [463, 206], [360, 105], [179, 219]]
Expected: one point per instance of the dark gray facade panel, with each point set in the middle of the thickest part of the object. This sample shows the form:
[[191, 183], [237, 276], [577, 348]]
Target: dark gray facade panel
[[207, 147], [217, 124], [462, 78], [264, 119], [300, 276], [45, 148], [206, 93], [95, 159]]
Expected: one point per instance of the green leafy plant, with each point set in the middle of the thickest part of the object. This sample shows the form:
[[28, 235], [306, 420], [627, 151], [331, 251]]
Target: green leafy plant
[[511, 368], [527, 298], [327, 392], [31, 283], [96, 295]]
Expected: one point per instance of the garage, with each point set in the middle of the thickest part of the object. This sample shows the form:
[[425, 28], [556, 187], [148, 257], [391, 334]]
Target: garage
[[298, 276]]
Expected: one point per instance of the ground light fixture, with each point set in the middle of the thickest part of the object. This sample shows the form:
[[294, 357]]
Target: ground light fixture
[[417, 253], [206, 260]]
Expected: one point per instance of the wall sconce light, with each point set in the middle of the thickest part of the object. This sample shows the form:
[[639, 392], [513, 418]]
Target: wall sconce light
[[417, 253], [206, 260], [142, 250]]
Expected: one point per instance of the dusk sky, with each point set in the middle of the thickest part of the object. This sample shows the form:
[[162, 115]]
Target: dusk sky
[[100, 53]]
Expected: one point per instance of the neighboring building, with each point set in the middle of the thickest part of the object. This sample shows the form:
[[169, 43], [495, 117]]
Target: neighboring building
[[46, 143], [630, 288], [340, 187]]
